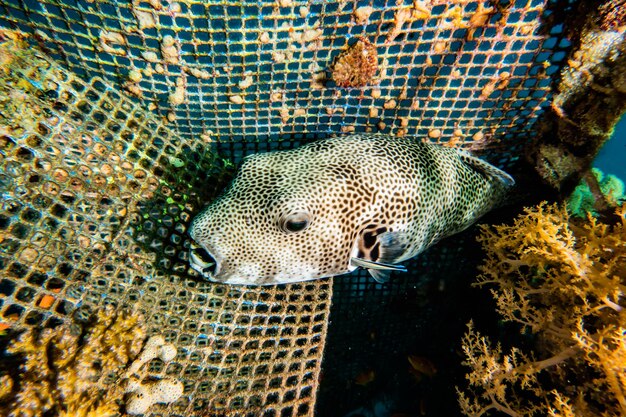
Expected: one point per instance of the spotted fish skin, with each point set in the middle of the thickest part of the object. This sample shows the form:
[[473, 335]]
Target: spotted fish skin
[[331, 206]]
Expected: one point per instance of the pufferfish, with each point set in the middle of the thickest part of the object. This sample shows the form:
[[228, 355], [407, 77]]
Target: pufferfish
[[332, 206]]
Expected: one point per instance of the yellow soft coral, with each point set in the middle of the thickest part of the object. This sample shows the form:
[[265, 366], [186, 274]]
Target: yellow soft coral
[[564, 280], [494, 377], [63, 368]]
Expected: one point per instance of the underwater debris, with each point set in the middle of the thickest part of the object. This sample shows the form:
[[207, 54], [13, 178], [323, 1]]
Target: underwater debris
[[178, 96], [440, 47], [62, 368], [169, 50], [357, 66], [134, 76], [246, 81], [401, 132], [46, 301], [285, 114], [155, 4], [279, 57], [207, 136], [487, 89], [402, 16], [421, 11], [390, 104], [564, 280], [236, 99], [499, 83], [478, 19], [175, 7], [418, 11], [133, 88], [434, 133], [111, 42], [150, 56], [309, 35], [362, 14], [318, 79], [264, 38], [145, 19], [478, 136], [200, 74]]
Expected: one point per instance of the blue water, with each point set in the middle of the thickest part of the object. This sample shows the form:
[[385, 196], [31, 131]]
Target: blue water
[[612, 157]]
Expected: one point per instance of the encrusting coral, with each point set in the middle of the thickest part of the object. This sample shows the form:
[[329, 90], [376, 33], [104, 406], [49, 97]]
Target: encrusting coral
[[562, 279], [144, 395], [62, 367], [357, 66], [63, 370]]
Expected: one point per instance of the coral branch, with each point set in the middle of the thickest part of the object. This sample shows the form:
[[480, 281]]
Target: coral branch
[[564, 280]]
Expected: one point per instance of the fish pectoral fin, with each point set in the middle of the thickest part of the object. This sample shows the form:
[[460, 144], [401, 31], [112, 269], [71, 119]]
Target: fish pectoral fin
[[393, 245], [376, 266], [379, 271], [379, 275]]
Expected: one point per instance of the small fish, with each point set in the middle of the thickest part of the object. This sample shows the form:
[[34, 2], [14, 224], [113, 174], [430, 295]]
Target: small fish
[[421, 366], [335, 205], [365, 377]]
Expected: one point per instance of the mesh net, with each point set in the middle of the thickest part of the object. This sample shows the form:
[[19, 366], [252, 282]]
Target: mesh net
[[250, 74], [105, 164], [95, 213]]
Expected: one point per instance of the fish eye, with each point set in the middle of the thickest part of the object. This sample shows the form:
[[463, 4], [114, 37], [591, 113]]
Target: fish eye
[[295, 222]]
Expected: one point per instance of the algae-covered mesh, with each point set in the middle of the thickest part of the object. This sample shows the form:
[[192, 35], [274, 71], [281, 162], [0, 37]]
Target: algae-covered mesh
[[247, 76], [97, 198], [119, 120]]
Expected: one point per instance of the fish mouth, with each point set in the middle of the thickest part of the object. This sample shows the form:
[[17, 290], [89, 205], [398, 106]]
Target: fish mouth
[[202, 261]]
